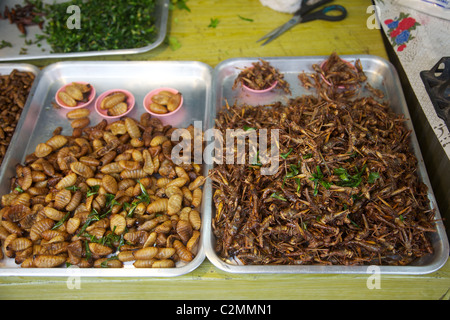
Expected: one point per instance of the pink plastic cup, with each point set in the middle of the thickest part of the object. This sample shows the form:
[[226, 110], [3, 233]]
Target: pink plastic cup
[[104, 113], [79, 104], [148, 101], [262, 90]]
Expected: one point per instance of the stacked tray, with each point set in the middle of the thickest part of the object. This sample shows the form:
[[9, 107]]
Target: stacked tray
[[204, 91], [42, 50]]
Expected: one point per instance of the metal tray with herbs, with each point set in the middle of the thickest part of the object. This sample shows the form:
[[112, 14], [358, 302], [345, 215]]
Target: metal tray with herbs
[[330, 206], [40, 119], [77, 29]]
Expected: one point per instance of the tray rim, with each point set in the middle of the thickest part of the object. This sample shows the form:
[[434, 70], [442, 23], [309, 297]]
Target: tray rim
[[335, 269], [57, 67], [162, 32]]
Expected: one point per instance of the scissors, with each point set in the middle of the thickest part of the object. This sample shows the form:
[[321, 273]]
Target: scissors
[[303, 15]]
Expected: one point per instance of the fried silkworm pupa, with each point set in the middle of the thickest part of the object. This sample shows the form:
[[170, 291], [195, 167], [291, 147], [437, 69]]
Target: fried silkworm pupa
[[67, 99], [42, 150], [112, 99], [144, 263], [132, 128], [80, 123], [174, 102], [118, 109], [145, 253], [157, 108], [78, 114], [100, 249], [159, 205], [74, 92], [182, 252], [117, 224], [113, 262], [164, 263], [48, 261], [96, 199], [162, 97]]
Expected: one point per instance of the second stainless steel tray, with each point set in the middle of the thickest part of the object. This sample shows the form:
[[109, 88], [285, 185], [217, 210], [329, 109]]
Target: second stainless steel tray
[[39, 120], [7, 68], [381, 75], [42, 50]]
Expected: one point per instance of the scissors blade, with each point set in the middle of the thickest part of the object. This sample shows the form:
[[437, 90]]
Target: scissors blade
[[280, 30]]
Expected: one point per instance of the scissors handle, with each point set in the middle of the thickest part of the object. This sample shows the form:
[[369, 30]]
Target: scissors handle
[[324, 14], [305, 7]]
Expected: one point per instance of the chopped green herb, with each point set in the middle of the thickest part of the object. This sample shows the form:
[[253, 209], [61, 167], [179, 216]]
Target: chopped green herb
[[373, 176], [93, 216], [73, 188], [5, 44], [174, 44], [144, 197], [348, 180], [88, 251], [285, 155], [293, 172], [317, 178], [61, 222], [276, 196], [92, 191], [354, 223], [18, 189], [245, 19], [298, 181], [104, 263], [180, 4], [103, 24], [247, 128], [307, 156], [214, 22], [256, 161]]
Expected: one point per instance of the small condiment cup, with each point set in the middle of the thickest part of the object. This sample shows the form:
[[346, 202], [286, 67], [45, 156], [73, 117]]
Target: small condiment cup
[[260, 90], [79, 104], [148, 100], [104, 112]]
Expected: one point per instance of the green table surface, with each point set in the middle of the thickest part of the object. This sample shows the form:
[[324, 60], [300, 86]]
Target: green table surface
[[236, 37]]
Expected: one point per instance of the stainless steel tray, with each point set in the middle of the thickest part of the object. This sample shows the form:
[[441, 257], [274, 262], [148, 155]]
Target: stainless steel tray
[[10, 33], [39, 119], [7, 68], [382, 75]]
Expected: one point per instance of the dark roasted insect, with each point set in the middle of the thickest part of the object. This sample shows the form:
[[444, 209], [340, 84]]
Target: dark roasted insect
[[346, 191], [14, 90]]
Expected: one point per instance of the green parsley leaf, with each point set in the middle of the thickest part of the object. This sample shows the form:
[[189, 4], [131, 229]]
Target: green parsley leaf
[[373, 176], [276, 196], [245, 19], [92, 191], [214, 22], [285, 155], [174, 44]]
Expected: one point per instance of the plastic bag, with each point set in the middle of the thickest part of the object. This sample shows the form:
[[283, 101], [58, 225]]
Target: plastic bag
[[286, 6], [437, 8]]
